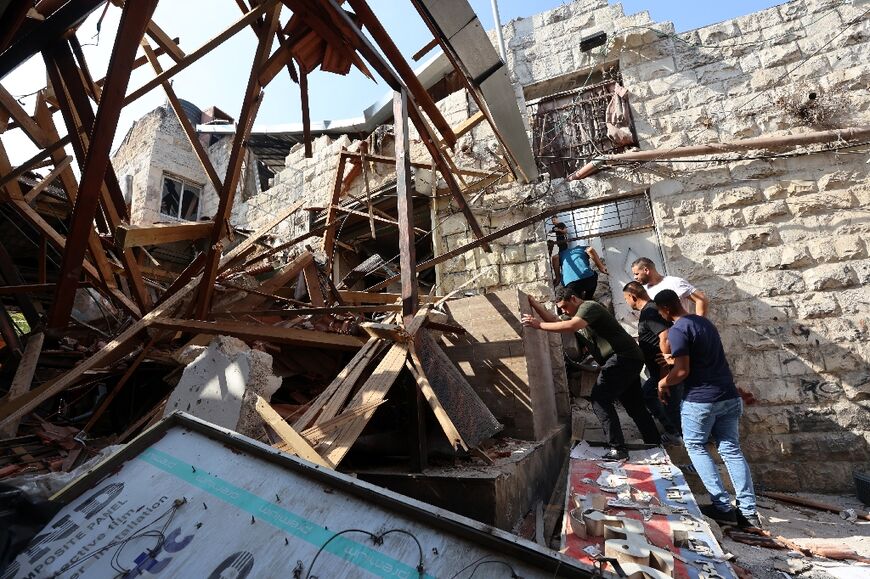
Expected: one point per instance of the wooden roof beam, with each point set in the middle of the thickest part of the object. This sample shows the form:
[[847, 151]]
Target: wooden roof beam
[[133, 21]]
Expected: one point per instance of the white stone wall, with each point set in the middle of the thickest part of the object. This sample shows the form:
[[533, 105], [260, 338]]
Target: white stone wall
[[779, 245]]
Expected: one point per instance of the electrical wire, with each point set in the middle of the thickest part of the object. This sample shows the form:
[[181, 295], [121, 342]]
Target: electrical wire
[[143, 532], [377, 539], [479, 562]]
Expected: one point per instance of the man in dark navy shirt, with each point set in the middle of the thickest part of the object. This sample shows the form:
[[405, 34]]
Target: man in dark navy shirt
[[711, 409]]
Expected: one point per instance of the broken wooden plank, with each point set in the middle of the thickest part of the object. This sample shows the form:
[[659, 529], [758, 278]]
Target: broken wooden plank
[[522, 223], [365, 297], [23, 378], [425, 50], [334, 448], [284, 276], [316, 434], [127, 236], [206, 48], [130, 30], [406, 73], [329, 235], [312, 281], [356, 157], [453, 436], [329, 402], [294, 442], [48, 180], [405, 207], [128, 373], [253, 97], [262, 332], [10, 410], [302, 311]]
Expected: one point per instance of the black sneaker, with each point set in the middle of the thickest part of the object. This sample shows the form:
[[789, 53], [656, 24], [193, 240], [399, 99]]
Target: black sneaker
[[748, 521], [728, 517], [615, 454]]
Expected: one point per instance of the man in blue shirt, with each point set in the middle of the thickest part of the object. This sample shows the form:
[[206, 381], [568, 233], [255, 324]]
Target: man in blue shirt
[[711, 409]]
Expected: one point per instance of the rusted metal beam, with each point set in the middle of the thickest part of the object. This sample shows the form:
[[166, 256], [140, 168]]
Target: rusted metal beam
[[133, 21]]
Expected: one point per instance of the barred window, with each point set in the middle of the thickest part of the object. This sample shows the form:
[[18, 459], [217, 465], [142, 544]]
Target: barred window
[[569, 128]]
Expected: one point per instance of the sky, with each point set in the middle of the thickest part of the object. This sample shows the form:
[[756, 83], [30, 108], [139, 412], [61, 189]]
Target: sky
[[220, 78]]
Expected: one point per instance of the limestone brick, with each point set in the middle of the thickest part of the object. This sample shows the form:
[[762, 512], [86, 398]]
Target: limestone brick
[[817, 306], [753, 237], [850, 247], [777, 191], [830, 276], [738, 197], [821, 203], [794, 257], [772, 283], [514, 254], [766, 212]]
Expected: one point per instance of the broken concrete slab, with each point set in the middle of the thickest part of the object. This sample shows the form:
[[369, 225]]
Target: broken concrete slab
[[221, 382]]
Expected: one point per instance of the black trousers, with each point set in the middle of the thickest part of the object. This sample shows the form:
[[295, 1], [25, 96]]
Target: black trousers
[[585, 288], [620, 380]]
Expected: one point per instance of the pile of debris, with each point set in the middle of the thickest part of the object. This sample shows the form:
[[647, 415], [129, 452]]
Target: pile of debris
[[102, 339]]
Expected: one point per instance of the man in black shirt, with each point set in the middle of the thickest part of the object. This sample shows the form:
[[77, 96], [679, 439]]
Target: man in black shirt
[[651, 329]]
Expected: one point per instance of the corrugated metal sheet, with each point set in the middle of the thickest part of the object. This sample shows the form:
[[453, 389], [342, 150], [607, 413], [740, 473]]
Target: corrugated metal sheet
[[190, 499]]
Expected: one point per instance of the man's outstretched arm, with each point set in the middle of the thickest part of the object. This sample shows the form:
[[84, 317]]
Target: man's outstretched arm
[[702, 302], [550, 322]]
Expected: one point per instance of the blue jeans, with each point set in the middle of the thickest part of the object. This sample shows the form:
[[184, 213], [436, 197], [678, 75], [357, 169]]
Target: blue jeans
[[719, 421]]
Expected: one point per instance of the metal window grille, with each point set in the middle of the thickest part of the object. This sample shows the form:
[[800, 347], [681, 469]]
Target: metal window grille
[[609, 218], [569, 128]]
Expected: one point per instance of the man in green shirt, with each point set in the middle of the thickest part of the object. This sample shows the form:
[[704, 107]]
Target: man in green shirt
[[620, 358]]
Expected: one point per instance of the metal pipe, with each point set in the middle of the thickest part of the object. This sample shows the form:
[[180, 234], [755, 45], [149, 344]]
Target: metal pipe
[[498, 34], [844, 135]]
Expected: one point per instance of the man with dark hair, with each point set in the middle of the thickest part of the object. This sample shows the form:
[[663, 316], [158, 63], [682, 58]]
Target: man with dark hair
[[711, 409], [619, 356], [650, 327], [645, 272], [572, 265]]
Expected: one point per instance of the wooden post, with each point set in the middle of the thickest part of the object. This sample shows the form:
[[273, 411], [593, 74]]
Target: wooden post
[[133, 21], [408, 265], [251, 102], [43, 259], [405, 207]]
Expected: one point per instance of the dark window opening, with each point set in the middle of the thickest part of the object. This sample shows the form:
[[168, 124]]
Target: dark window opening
[[179, 199]]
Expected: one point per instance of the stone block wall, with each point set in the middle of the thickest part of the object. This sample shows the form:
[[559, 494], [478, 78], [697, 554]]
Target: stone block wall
[[780, 245]]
